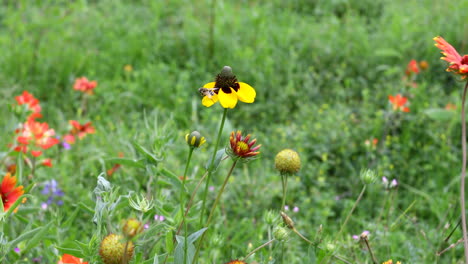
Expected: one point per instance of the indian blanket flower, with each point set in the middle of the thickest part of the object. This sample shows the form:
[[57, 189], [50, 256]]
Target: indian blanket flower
[[84, 85], [69, 259], [9, 192], [242, 147], [399, 103], [412, 68], [227, 90], [35, 136], [458, 64], [236, 262], [391, 262]]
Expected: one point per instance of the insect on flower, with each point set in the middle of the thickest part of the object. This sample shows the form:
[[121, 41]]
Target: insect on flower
[[208, 92]]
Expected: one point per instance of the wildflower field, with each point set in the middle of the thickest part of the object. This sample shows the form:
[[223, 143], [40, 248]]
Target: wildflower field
[[233, 132]]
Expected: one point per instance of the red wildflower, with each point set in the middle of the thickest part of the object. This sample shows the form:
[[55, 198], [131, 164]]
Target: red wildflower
[[450, 107], [79, 130], [412, 68], [47, 163], [241, 147], [31, 103], [69, 259], [82, 84], [8, 192], [399, 102], [116, 167], [458, 64], [35, 135]]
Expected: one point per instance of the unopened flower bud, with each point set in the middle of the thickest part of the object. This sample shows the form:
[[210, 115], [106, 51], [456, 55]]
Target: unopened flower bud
[[132, 227], [280, 233], [287, 220], [287, 161], [423, 65], [330, 247], [226, 72], [368, 176], [195, 139], [269, 217], [112, 250]]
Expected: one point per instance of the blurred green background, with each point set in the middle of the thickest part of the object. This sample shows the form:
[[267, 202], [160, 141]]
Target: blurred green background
[[322, 69]]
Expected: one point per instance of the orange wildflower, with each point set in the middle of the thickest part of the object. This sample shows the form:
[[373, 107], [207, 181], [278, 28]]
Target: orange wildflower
[[35, 135], [8, 192], [236, 262], [78, 130], [399, 102], [450, 107], [69, 259], [84, 85], [423, 65], [458, 64], [412, 68]]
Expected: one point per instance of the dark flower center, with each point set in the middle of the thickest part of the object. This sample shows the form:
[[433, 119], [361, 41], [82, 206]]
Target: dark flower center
[[464, 59], [225, 83]]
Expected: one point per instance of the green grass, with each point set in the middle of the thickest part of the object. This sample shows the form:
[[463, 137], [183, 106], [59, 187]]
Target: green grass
[[322, 71]]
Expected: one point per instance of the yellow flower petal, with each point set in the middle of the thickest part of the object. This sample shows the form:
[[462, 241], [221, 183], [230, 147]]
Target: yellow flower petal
[[206, 101], [209, 85], [227, 100], [246, 93]]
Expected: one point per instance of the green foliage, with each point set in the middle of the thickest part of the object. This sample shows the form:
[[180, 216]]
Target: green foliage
[[322, 70]]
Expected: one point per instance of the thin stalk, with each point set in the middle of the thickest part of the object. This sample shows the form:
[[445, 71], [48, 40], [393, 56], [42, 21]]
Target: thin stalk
[[260, 247], [374, 260], [463, 175], [210, 168], [182, 203], [315, 245], [351, 212], [213, 208], [284, 183], [124, 258]]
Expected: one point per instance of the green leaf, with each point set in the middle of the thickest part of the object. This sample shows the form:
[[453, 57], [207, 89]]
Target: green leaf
[[440, 114], [174, 180], [169, 242], [72, 251], [38, 237], [128, 162], [146, 153], [156, 260], [180, 251], [219, 156], [193, 237]]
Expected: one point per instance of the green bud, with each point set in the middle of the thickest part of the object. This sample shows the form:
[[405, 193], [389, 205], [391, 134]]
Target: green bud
[[280, 233], [330, 247], [287, 220], [226, 72], [368, 176], [195, 139], [269, 217]]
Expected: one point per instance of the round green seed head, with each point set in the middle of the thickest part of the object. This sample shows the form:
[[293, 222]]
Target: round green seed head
[[287, 161]]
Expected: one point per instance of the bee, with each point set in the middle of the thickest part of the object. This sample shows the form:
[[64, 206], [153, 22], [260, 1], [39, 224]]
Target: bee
[[209, 92]]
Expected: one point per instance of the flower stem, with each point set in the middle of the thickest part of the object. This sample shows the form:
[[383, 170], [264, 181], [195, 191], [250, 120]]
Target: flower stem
[[315, 245], [210, 167], [374, 260], [463, 175], [215, 204], [182, 203], [351, 212], [284, 182], [260, 247]]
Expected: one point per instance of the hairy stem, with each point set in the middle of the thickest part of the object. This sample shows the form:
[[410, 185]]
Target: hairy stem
[[215, 204], [210, 168], [463, 175], [260, 247], [182, 203], [351, 212]]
